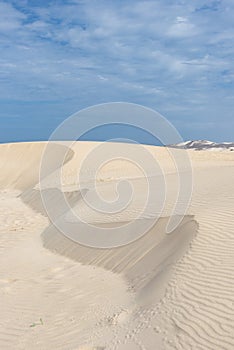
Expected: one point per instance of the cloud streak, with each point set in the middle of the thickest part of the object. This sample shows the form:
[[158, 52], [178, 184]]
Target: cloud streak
[[175, 57]]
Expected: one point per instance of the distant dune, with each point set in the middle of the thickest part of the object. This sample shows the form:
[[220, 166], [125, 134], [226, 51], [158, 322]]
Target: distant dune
[[205, 145], [164, 290]]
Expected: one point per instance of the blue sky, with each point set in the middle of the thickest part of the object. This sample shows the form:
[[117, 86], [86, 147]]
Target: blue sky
[[60, 56]]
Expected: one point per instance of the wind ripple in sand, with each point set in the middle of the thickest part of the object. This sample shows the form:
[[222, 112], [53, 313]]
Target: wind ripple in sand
[[196, 312]]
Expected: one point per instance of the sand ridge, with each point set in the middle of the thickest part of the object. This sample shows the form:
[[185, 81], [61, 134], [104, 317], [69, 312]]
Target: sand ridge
[[115, 301]]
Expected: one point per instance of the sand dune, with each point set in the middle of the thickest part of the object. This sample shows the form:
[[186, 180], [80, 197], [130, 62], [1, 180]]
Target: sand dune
[[20, 163], [140, 262], [162, 291], [206, 145]]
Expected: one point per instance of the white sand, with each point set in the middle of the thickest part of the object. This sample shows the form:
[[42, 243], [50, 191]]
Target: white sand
[[161, 292]]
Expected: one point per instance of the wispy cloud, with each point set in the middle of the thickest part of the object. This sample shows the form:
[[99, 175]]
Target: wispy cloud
[[176, 57]]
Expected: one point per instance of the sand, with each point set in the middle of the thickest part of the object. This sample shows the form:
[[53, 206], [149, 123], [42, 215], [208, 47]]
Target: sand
[[162, 291]]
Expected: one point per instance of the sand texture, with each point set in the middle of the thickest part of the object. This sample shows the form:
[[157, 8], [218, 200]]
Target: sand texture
[[164, 290]]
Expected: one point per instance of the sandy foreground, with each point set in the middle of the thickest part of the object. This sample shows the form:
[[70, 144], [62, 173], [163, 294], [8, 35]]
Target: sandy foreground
[[162, 291]]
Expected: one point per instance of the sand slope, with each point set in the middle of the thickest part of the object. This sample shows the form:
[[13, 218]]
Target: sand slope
[[163, 291]]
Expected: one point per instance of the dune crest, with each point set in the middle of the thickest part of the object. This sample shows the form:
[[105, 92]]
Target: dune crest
[[164, 291]]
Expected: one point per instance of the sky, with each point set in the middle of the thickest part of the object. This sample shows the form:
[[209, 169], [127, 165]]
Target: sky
[[58, 57]]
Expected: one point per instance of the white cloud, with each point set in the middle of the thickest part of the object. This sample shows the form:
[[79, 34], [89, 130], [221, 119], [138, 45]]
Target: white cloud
[[150, 52], [10, 18], [182, 27]]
